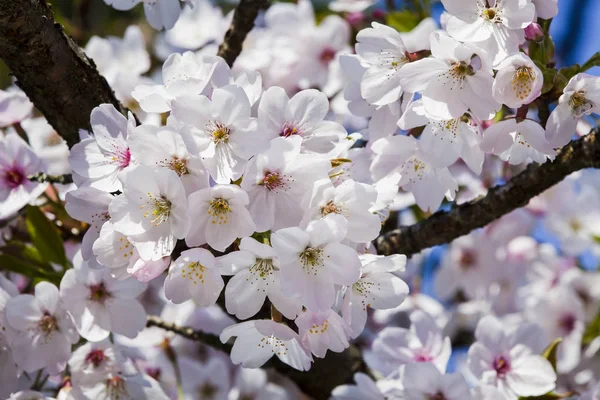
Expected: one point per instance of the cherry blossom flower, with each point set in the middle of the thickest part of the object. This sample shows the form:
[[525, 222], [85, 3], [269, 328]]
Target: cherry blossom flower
[[98, 158], [573, 217], [322, 331], [258, 340], [487, 392], [17, 162], [425, 381], [89, 205], [120, 61], [350, 199], [401, 155], [29, 395], [159, 13], [114, 250], [383, 51], [220, 216], [9, 371], [366, 389], [303, 115], [253, 384], [194, 274], [560, 312], [496, 24], [518, 81], [423, 343], [546, 9], [124, 385], [48, 145], [580, 97], [165, 148], [100, 304], [14, 107], [457, 78], [377, 288], [182, 74], [198, 25], [276, 181], [152, 211], [256, 273], [445, 140], [222, 129], [204, 381], [43, 330], [509, 359], [93, 361], [517, 141], [314, 260]]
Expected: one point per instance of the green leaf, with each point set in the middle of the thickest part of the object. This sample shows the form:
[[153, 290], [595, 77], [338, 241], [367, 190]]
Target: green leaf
[[45, 237], [402, 21], [550, 352], [594, 61], [15, 264], [592, 331], [549, 75]]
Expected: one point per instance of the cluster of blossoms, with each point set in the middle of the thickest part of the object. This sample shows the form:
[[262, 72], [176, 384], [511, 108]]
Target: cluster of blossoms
[[259, 189]]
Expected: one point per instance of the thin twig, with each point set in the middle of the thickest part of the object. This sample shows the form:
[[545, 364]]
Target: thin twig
[[189, 333]]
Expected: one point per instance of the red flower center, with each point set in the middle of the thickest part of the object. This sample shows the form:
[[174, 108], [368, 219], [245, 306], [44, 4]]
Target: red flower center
[[96, 357], [14, 178]]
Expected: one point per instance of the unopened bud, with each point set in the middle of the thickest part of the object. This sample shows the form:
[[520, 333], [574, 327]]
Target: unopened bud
[[534, 32], [379, 15], [355, 18]]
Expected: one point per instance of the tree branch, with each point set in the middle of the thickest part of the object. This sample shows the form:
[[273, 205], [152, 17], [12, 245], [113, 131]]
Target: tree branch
[[325, 374], [50, 68], [443, 227], [189, 333], [43, 177], [243, 22]]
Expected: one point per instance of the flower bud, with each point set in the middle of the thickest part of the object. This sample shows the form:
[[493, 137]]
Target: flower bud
[[355, 19], [534, 32]]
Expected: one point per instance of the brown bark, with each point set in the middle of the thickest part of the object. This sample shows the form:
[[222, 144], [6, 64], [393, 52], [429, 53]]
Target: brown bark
[[443, 227], [243, 22], [50, 68]]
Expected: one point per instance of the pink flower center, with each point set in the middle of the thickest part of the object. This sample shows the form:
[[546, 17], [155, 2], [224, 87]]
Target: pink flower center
[[153, 372], [567, 323], [289, 130], [422, 355], [96, 357], [327, 55], [121, 157], [502, 366], [272, 180], [14, 177]]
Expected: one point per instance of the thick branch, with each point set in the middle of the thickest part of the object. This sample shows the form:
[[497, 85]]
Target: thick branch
[[243, 22], [443, 227], [50, 68], [326, 373]]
